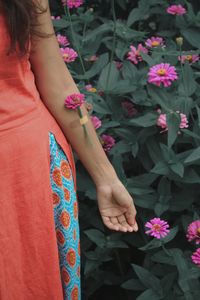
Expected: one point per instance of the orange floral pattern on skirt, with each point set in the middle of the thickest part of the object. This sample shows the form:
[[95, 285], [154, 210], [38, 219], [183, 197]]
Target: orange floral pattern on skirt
[[65, 205]]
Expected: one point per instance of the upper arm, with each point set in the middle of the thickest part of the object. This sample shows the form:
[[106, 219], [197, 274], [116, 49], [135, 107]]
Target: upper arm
[[51, 73]]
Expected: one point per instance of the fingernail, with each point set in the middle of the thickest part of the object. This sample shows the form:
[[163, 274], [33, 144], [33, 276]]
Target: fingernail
[[135, 227]]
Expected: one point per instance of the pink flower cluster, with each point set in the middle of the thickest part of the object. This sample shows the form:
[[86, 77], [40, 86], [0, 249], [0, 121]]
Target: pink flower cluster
[[129, 108], [177, 10], [157, 228], [162, 121], [107, 142], [193, 234], [90, 88], [55, 18], [196, 257], [68, 54], [134, 53], [62, 40], [162, 73], [74, 101], [191, 58], [72, 3], [154, 42]]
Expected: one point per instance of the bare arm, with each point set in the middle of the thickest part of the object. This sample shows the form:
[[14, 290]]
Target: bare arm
[[54, 83]]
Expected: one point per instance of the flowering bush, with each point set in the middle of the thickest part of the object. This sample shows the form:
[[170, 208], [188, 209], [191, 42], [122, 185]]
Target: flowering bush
[[137, 62]]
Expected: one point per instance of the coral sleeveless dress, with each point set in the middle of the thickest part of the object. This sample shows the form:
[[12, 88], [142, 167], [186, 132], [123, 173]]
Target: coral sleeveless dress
[[39, 241]]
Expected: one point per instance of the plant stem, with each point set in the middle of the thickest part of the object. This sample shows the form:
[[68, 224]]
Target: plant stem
[[114, 40], [84, 126], [67, 13], [165, 250]]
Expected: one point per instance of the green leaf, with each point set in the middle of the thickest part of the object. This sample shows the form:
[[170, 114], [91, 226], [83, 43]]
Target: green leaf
[[188, 86], [109, 77], [96, 67], [161, 168], [177, 168], [149, 119], [149, 294], [100, 106], [173, 122], [133, 284], [148, 279], [193, 157], [192, 35], [96, 236]]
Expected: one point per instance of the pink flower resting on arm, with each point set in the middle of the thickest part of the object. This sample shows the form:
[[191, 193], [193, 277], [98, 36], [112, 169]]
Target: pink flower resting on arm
[[177, 10], [157, 228], [74, 101], [193, 232], [162, 73]]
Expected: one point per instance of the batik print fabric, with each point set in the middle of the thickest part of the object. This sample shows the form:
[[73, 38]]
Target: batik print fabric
[[66, 220]]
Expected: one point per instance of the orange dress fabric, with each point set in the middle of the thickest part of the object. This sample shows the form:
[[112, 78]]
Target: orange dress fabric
[[29, 262]]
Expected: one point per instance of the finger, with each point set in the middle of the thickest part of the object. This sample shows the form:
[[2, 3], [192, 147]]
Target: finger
[[130, 215], [109, 224], [122, 220], [115, 221]]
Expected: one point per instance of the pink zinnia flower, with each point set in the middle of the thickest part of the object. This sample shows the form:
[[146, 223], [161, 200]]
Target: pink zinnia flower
[[157, 228], [72, 3], [191, 58], [154, 42], [107, 142], [75, 100], [162, 121], [68, 54], [162, 73], [96, 122], [129, 108], [177, 10], [196, 257], [90, 88], [55, 18], [62, 40], [134, 54], [92, 58], [193, 232]]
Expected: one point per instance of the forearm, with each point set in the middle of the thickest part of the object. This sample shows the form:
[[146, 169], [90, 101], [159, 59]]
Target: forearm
[[91, 154], [54, 83]]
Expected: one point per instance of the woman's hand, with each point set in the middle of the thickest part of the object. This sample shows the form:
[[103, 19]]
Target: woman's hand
[[116, 206]]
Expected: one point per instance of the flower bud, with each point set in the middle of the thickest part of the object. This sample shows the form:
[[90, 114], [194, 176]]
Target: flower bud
[[179, 41]]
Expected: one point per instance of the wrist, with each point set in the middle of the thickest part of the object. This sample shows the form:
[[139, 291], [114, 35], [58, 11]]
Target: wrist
[[105, 174]]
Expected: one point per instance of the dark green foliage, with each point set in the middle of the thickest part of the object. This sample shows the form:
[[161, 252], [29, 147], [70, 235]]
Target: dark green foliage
[[160, 170]]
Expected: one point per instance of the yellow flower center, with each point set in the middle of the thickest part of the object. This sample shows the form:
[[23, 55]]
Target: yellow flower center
[[189, 57], [198, 231], [65, 55], [161, 72], [92, 90], [156, 227], [155, 43]]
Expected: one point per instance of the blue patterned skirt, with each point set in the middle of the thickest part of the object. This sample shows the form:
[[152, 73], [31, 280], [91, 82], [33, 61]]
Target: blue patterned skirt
[[66, 220]]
